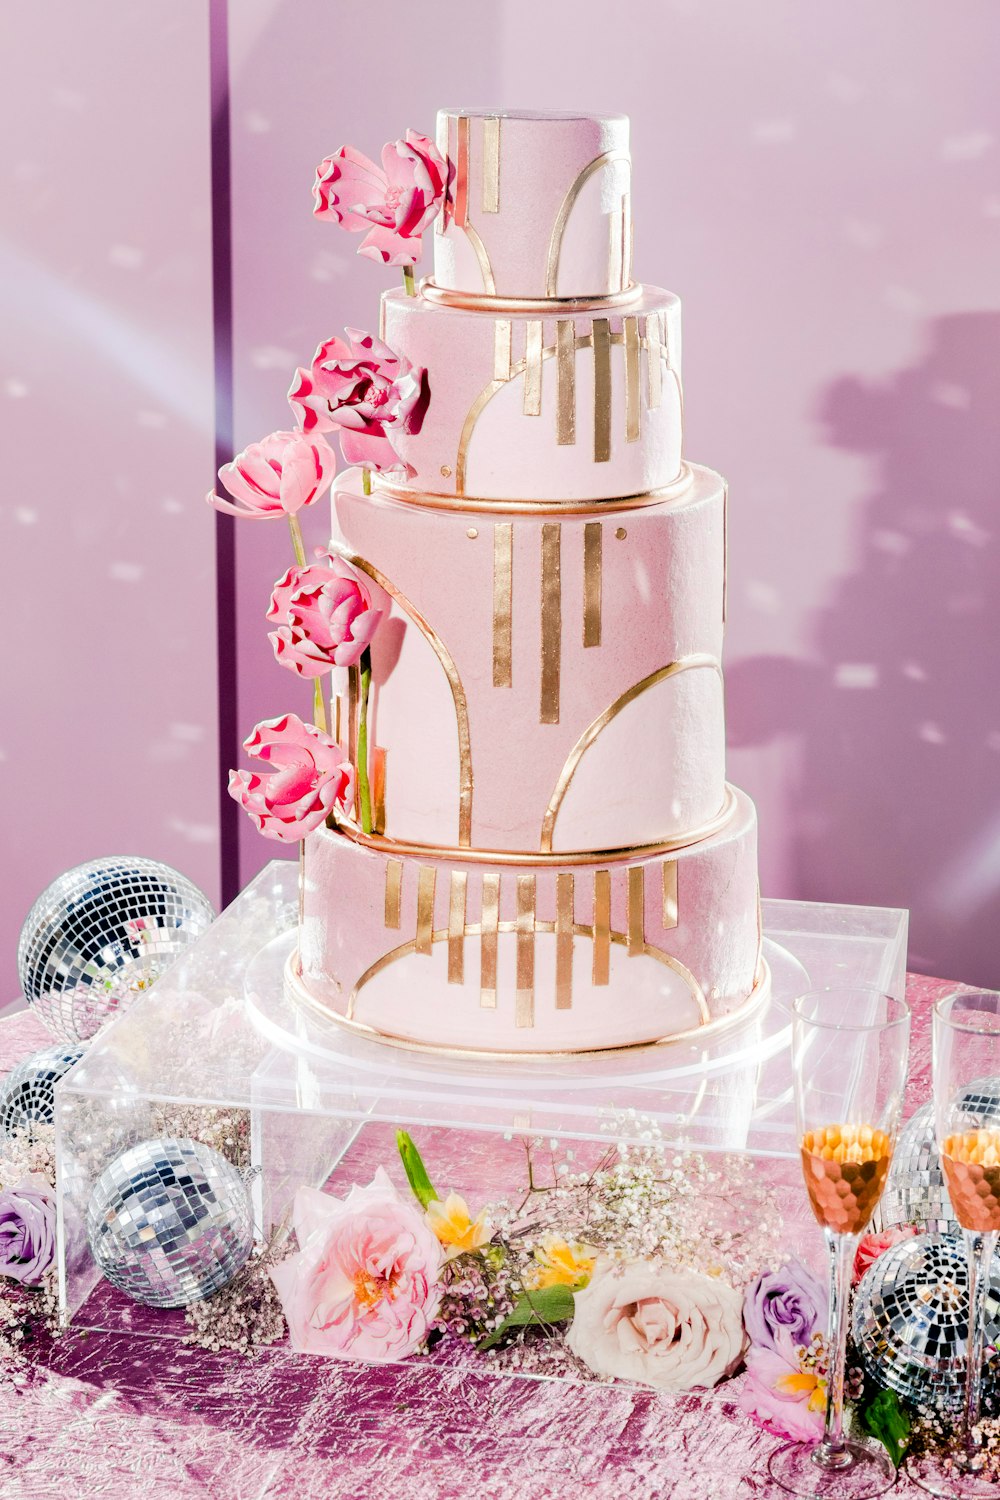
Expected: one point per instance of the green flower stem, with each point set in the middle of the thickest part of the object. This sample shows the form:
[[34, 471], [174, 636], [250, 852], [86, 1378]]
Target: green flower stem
[[408, 282], [366, 481], [298, 545], [364, 790]]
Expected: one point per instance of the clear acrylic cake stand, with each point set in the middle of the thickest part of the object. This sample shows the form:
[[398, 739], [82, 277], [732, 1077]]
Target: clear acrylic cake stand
[[217, 1033]]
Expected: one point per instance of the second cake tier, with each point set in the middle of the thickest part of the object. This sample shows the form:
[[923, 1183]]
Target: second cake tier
[[542, 685]]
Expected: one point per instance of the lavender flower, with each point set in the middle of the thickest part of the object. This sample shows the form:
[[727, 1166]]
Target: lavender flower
[[27, 1230], [790, 1300]]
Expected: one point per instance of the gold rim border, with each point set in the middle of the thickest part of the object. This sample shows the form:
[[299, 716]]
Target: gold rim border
[[434, 500], [392, 848], [756, 997], [551, 307]]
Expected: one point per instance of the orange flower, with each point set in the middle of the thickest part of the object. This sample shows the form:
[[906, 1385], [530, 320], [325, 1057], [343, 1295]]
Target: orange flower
[[561, 1263], [455, 1227]]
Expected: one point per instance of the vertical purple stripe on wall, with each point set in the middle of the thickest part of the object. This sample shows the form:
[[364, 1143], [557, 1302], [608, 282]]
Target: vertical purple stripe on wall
[[225, 536]]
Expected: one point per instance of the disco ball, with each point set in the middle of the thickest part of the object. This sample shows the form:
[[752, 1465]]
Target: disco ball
[[915, 1191], [910, 1318], [170, 1222], [101, 933], [27, 1094]]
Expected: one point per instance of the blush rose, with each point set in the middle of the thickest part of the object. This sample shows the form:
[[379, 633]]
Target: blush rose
[[310, 775]]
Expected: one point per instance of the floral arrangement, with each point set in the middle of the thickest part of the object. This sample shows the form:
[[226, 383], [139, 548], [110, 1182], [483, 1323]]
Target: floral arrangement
[[28, 1309], [327, 612]]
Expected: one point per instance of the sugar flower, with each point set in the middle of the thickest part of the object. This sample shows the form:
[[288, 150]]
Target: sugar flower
[[326, 613], [790, 1300], [562, 1262], [277, 476], [785, 1389], [394, 203], [455, 1227], [871, 1246], [362, 387], [309, 775], [27, 1230], [364, 1283], [674, 1330]]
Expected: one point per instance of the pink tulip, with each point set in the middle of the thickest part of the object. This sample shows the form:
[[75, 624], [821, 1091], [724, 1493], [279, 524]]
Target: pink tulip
[[361, 387], [310, 776], [394, 203], [277, 476], [325, 614]]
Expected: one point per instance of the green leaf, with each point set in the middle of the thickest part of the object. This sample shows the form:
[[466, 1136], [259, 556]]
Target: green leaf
[[548, 1304], [416, 1173], [886, 1419]]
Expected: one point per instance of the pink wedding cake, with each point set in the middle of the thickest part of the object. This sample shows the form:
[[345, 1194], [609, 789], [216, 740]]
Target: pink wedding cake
[[556, 863]]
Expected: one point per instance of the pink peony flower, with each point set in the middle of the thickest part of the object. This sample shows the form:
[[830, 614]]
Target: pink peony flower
[[277, 476], [311, 775], [871, 1246], [365, 1280], [781, 1395], [361, 387], [326, 616], [394, 202]]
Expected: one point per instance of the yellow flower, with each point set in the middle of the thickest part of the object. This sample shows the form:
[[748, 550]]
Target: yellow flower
[[455, 1227], [801, 1382], [561, 1263]]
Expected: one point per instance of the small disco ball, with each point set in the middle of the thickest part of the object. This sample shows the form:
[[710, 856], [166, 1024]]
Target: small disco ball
[[170, 1222], [27, 1094], [101, 933], [915, 1190], [910, 1318]]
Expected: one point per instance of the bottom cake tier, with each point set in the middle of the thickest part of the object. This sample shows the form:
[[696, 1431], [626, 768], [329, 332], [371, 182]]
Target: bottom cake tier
[[445, 950]]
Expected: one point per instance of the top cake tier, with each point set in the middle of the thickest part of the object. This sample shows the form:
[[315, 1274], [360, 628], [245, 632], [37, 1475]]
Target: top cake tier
[[537, 205]]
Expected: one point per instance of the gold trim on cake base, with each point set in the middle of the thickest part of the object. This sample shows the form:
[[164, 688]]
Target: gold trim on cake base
[[433, 500], [548, 307]]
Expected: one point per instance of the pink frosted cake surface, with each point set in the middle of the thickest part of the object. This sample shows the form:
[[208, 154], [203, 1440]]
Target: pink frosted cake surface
[[556, 861]]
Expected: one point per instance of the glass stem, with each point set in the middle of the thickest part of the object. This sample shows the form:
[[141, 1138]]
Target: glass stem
[[979, 1249], [833, 1452]]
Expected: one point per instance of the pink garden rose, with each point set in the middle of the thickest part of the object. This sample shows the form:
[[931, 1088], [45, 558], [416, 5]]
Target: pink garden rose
[[326, 616], [394, 202], [674, 1330], [871, 1246], [310, 775], [365, 1280], [361, 387], [277, 476], [780, 1394]]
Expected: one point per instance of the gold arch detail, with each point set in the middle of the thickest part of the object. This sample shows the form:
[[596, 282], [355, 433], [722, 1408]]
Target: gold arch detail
[[590, 734], [447, 661], [566, 208], [482, 255], [580, 929]]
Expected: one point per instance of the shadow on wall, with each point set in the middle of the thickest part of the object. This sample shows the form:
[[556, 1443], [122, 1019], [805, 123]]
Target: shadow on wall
[[897, 715]]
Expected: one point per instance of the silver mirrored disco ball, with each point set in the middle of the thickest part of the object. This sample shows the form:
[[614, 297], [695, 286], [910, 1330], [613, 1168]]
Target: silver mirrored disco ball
[[101, 933], [910, 1318], [27, 1094], [915, 1191], [170, 1222]]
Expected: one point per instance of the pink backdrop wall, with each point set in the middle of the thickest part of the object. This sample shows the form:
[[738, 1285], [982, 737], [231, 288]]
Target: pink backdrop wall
[[821, 187], [108, 685]]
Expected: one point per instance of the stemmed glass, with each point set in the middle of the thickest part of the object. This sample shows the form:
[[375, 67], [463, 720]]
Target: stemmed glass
[[849, 1056], [967, 1119]]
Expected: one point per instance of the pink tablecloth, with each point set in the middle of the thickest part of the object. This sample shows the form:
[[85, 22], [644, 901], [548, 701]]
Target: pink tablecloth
[[152, 1417]]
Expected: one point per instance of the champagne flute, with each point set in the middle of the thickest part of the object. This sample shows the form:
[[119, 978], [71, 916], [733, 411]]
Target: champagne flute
[[967, 1119], [849, 1056]]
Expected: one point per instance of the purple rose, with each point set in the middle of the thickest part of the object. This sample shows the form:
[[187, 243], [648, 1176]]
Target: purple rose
[[789, 1301], [27, 1230]]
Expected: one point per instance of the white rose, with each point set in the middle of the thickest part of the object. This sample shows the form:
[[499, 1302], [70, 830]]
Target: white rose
[[670, 1329]]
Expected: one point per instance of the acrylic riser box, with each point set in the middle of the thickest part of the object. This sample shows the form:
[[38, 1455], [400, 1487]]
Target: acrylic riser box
[[215, 1046]]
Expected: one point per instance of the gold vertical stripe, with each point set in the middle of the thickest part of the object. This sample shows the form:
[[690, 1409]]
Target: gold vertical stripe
[[533, 368], [592, 583], [336, 718], [488, 941], [602, 926], [551, 621], [456, 928], [669, 893], [564, 940], [491, 165], [501, 349], [636, 912], [444, 216], [425, 909], [602, 390], [378, 789], [654, 374], [630, 327], [352, 730], [393, 891], [461, 209], [566, 381], [503, 576], [524, 1003]]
